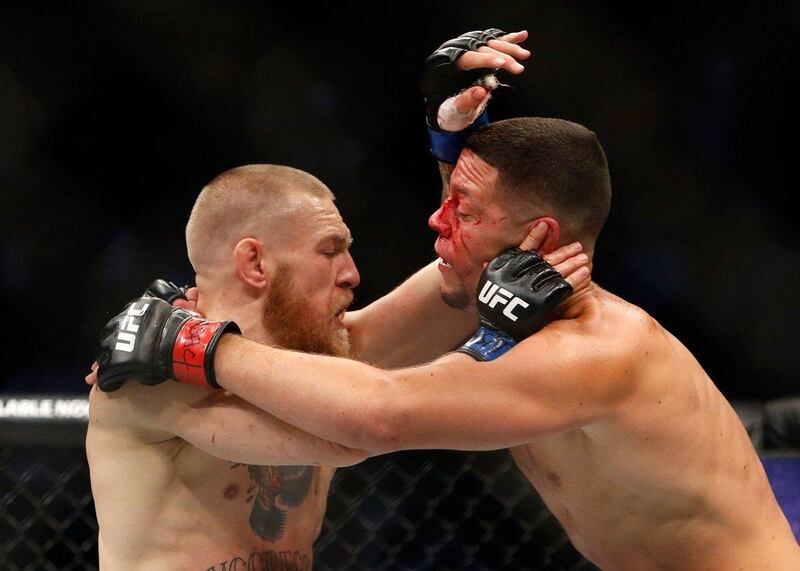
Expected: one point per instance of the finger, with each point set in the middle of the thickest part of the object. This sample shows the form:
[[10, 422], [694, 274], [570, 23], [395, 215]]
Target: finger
[[580, 279], [184, 304], [191, 293], [534, 239], [190, 306], [509, 63], [468, 101], [476, 60], [515, 37], [572, 265], [91, 378], [515, 51], [563, 253]]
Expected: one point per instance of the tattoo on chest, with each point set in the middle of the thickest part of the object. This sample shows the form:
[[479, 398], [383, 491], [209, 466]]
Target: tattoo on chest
[[274, 489], [266, 561]]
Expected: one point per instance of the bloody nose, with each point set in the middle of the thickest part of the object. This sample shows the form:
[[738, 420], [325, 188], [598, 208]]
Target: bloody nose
[[438, 224]]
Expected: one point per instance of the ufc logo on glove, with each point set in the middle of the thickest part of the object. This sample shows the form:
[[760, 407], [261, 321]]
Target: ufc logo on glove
[[128, 328], [501, 295]]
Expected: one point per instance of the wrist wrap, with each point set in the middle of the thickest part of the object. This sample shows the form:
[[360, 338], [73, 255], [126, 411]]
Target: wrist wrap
[[193, 350], [446, 146], [487, 344]]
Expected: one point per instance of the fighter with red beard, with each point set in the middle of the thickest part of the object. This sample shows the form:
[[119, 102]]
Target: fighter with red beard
[[189, 477]]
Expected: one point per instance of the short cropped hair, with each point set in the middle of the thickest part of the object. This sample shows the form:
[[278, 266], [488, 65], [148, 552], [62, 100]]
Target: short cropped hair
[[244, 201], [549, 164]]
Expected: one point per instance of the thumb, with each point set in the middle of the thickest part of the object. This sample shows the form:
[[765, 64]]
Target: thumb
[[471, 99]]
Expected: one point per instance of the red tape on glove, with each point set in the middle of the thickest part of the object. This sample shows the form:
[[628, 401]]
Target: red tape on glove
[[189, 351]]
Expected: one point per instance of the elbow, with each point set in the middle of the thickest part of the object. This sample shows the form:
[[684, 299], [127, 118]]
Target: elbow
[[342, 456], [378, 426]]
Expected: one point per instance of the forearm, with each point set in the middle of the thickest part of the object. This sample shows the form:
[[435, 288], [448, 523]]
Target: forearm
[[410, 325], [336, 399]]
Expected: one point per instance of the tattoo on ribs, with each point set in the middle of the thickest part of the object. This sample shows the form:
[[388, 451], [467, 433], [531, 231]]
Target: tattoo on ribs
[[274, 489]]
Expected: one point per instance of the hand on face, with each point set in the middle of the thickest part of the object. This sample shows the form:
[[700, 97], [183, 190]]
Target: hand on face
[[569, 261]]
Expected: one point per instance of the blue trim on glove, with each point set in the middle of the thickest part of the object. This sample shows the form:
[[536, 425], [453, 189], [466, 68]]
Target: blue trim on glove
[[447, 145], [487, 344]]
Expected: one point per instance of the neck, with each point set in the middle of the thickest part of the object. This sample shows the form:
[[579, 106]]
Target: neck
[[579, 303], [231, 301]]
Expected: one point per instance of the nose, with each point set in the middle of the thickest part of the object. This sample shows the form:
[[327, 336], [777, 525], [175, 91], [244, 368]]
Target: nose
[[348, 276], [438, 224]]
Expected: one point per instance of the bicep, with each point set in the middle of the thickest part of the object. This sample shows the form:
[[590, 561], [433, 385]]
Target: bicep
[[538, 388], [219, 423], [227, 427]]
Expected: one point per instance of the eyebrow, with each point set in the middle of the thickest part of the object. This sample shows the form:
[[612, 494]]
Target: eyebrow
[[341, 240], [458, 189]]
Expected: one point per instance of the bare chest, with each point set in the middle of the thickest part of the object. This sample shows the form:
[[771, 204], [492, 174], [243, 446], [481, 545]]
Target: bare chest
[[266, 503], [194, 511]]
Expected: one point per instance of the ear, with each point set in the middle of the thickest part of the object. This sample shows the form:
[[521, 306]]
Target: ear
[[251, 267], [551, 238]]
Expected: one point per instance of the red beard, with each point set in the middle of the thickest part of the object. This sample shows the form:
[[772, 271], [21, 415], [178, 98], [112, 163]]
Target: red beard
[[293, 325]]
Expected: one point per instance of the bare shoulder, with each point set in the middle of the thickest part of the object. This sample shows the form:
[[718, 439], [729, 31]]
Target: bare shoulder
[[607, 343]]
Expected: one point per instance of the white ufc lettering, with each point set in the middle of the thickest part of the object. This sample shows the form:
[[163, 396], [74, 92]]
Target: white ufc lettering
[[492, 294], [128, 328]]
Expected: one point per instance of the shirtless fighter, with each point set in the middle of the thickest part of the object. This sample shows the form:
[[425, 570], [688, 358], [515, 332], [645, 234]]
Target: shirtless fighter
[[609, 416], [187, 477]]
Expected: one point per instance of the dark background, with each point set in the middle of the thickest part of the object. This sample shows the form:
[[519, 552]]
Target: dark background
[[113, 115]]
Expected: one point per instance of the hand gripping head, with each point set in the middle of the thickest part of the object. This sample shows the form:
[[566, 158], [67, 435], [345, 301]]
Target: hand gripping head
[[518, 291], [441, 78]]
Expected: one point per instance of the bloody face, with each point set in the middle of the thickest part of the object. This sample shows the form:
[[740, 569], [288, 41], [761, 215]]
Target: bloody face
[[473, 228]]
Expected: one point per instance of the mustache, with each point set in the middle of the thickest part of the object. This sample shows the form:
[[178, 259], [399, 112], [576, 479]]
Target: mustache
[[345, 304]]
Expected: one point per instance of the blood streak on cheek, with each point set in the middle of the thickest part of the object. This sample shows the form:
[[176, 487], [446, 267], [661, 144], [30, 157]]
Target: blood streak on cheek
[[449, 213]]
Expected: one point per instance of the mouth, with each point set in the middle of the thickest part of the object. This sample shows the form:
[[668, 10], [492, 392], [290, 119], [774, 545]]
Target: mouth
[[340, 313], [444, 264]]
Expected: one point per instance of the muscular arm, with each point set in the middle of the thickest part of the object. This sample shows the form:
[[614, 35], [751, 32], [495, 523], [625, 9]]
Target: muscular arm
[[410, 325], [219, 423], [544, 385]]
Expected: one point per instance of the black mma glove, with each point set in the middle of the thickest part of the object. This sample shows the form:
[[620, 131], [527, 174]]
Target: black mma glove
[[165, 290], [516, 294], [441, 79], [151, 341]]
